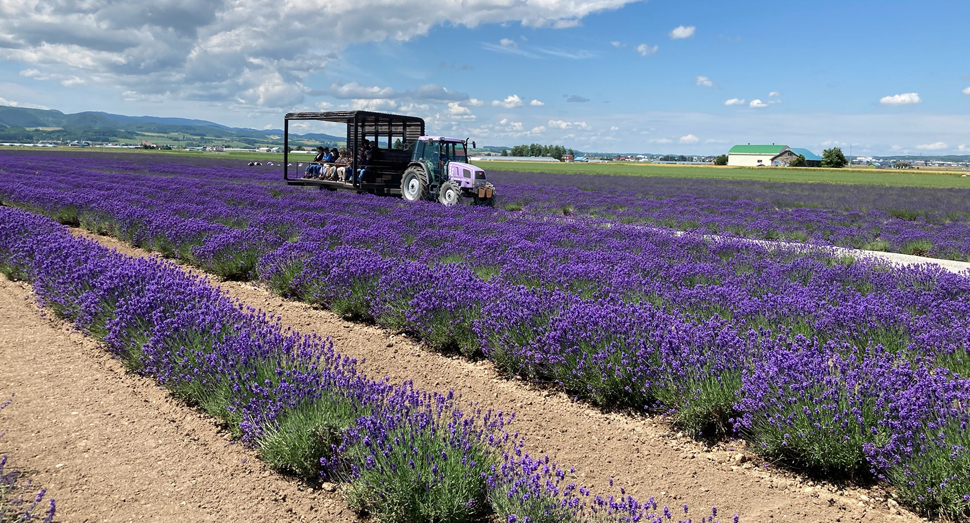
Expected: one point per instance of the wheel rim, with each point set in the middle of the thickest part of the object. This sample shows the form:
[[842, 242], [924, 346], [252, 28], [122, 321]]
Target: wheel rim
[[412, 187], [451, 196]]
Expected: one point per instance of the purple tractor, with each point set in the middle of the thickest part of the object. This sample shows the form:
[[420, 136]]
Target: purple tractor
[[439, 168]]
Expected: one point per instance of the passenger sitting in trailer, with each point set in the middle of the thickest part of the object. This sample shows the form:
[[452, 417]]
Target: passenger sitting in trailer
[[329, 169], [313, 169], [342, 168], [366, 155]]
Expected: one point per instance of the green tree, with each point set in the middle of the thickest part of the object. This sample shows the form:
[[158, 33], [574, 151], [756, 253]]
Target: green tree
[[505, 152], [721, 160], [834, 158], [398, 144], [799, 161]]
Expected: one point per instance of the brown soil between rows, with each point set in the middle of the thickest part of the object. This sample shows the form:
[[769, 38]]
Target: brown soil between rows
[[113, 446], [641, 453]]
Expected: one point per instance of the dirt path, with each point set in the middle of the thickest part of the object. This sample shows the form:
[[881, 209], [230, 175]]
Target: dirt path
[[112, 446], [642, 454]]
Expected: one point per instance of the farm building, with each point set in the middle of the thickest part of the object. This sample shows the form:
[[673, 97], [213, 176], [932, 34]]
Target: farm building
[[811, 159], [760, 155]]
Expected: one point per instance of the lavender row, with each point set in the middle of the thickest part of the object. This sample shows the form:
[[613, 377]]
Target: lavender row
[[229, 228], [923, 233], [617, 314], [406, 454]]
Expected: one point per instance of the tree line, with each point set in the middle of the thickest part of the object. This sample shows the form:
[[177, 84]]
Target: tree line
[[555, 151]]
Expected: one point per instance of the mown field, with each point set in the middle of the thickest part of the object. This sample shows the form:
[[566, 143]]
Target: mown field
[[878, 177], [847, 368]]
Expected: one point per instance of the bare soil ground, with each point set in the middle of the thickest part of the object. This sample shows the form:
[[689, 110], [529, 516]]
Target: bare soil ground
[[113, 446], [151, 454]]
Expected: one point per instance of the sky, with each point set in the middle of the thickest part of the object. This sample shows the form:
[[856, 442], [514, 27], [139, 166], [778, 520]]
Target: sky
[[657, 76]]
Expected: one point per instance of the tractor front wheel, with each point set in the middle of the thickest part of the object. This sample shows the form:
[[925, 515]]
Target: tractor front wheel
[[449, 193], [414, 184]]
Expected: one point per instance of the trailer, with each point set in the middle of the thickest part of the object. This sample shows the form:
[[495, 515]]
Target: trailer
[[403, 161]]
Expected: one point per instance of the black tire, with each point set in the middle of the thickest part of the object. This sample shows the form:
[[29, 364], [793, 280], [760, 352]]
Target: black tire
[[449, 194], [414, 185]]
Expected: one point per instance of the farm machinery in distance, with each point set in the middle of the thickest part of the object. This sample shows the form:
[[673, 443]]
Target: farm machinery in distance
[[403, 161]]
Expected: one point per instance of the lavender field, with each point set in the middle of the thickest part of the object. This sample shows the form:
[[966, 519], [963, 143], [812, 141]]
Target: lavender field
[[919, 221], [845, 367]]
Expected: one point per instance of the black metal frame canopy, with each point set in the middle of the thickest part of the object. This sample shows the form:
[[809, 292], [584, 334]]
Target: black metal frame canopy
[[360, 125]]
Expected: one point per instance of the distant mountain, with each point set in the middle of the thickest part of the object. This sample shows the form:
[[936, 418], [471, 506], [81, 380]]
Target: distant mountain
[[34, 125]]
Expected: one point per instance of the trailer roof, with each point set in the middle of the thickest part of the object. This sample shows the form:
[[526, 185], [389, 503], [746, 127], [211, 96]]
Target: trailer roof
[[351, 116]]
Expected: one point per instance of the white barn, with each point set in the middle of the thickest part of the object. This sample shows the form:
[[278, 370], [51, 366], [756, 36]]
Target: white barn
[[760, 155]]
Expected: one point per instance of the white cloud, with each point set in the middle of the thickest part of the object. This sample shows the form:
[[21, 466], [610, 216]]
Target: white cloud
[[455, 108], [935, 146], [618, 45], [963, 148], [538, 130], [274, 91], [510, 102], [536, 103], [562, 124], [900, 99], [690, 138], [355, 90], [475, 102], [228, 50], [614, 128], [682, 32], [11, 103], [757, 103], [966, 91], [505, 42], [704, 81], [646, 50], [660, 140], [774, 94], [734, 101], [373, 104]]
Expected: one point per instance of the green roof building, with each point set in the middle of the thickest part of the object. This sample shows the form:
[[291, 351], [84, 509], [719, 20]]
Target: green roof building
[[760, 155]]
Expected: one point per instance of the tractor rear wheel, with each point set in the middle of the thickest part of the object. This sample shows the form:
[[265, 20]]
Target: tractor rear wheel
[[414, 184], [449, 193]]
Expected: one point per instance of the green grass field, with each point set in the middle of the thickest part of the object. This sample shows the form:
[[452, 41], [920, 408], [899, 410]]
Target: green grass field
[[884, 177]]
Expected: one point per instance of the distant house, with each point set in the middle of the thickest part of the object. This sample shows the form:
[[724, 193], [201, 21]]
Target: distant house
[[811, 159], [760, 155]]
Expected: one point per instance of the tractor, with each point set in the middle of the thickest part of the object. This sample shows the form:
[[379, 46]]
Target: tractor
[[402, 160]]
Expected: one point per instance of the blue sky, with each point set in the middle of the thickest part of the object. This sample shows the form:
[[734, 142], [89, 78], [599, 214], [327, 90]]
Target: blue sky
[[599, 75]]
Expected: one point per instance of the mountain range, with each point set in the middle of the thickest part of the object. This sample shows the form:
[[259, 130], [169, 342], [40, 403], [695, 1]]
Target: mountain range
[[19, 124]]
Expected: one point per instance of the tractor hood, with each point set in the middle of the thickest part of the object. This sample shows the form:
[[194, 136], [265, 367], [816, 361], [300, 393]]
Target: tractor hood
[[466, 174]]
